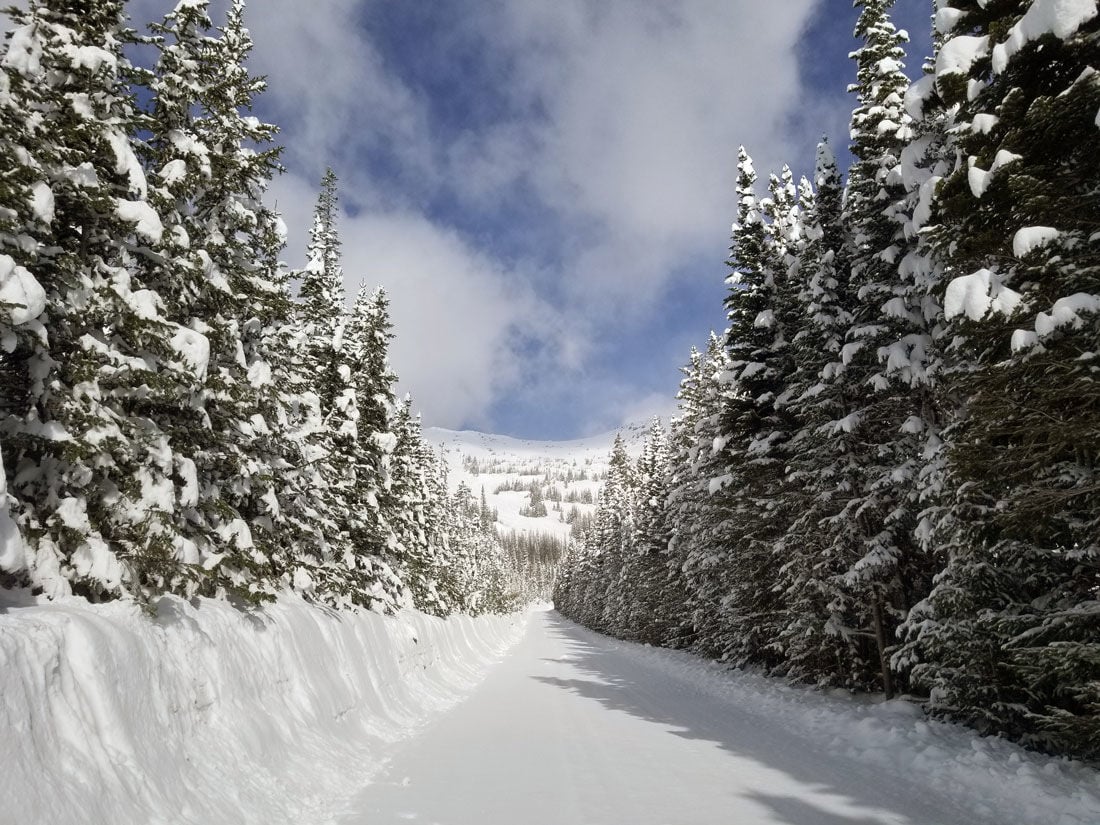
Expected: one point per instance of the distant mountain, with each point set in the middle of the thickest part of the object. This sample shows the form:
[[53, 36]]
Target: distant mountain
[[567, 474]]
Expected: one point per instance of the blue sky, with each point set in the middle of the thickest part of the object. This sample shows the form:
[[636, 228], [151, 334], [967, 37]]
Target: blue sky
[[545, 187]]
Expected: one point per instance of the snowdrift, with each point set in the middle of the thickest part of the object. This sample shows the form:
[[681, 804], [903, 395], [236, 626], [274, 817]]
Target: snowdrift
[[894, 738], [203, 714]]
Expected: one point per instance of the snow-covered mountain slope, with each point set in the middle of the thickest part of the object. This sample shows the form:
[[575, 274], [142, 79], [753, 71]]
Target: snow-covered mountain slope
[[507, 468], [203, 714]]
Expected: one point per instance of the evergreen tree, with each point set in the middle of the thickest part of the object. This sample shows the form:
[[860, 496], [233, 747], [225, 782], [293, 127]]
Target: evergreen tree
[[321, 298], [699, 502], [755, 425], [613, 534], [883, 431], [413, 505], [653, 612], [816, 648], [329, 343], [214, 272], [366, 340], [93, 472], [1007, 641], [26, 210]]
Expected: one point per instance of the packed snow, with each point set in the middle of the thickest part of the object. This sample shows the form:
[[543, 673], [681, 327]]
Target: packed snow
[[1030, 238], [958, 54], [574, 727], [977, 294], [20, 290], [145, 219], [24, 53], [206, 714], [1066, 311], [42, 202], [1058, 17], [979, 179], [193, 349]]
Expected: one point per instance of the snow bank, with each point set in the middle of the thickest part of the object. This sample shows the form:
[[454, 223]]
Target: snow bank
[[204, 714], [1015, 785]]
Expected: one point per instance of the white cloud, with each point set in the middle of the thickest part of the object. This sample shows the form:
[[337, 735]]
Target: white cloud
[[622, 130], [459, 315], [645, 103]]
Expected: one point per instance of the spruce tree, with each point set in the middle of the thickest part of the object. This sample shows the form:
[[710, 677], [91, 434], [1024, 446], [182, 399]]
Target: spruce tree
[[882, 429], [613, 534], [1007, 640], [93, 471], [415, 510], [329, 345], [755, 425], [216, 273], [26, 210], [367, 342], [816, 649], [700, 501], [652, 616]]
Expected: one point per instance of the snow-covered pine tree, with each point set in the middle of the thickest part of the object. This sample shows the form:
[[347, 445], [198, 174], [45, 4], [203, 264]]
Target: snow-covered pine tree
[[367, 342], [216, 276], [414, 506], [321, 297], [594, 592], [580, 573], [1007, 641], [755, 425], [93, 472], [882, 426], [814, 650], [487, 580], [437, 555], [26, 210], [699, 503], [326, 357], [658, 595], [613, 534], [925, 161]]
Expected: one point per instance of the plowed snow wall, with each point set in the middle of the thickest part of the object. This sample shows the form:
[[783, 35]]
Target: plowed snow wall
[[202, 713]]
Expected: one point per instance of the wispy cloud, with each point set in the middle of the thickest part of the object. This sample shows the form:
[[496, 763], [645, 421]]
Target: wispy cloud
[[521, 242]]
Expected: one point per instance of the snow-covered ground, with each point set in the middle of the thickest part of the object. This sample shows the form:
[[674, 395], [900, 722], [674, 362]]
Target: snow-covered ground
[[207, 715], [573, 727], [489, 462]]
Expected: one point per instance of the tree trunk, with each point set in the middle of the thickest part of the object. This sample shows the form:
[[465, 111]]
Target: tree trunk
[[880, 641]]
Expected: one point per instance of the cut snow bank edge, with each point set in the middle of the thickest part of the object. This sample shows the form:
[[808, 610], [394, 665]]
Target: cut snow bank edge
[[206, 714]]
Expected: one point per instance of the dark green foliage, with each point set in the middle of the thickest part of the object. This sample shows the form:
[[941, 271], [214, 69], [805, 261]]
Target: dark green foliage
[[1007, 640], [889, 478]]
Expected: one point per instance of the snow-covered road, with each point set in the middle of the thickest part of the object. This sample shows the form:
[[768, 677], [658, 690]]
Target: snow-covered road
[[575, 728]]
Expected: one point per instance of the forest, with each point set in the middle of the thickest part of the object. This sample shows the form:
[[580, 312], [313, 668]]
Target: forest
[[180, 412], [884, 475]]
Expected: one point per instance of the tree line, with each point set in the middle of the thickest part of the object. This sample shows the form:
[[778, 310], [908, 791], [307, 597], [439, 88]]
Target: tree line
[[173, 419], [885, 474]]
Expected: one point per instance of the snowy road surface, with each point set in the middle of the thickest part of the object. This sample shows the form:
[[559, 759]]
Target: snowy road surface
[[576, 728]]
